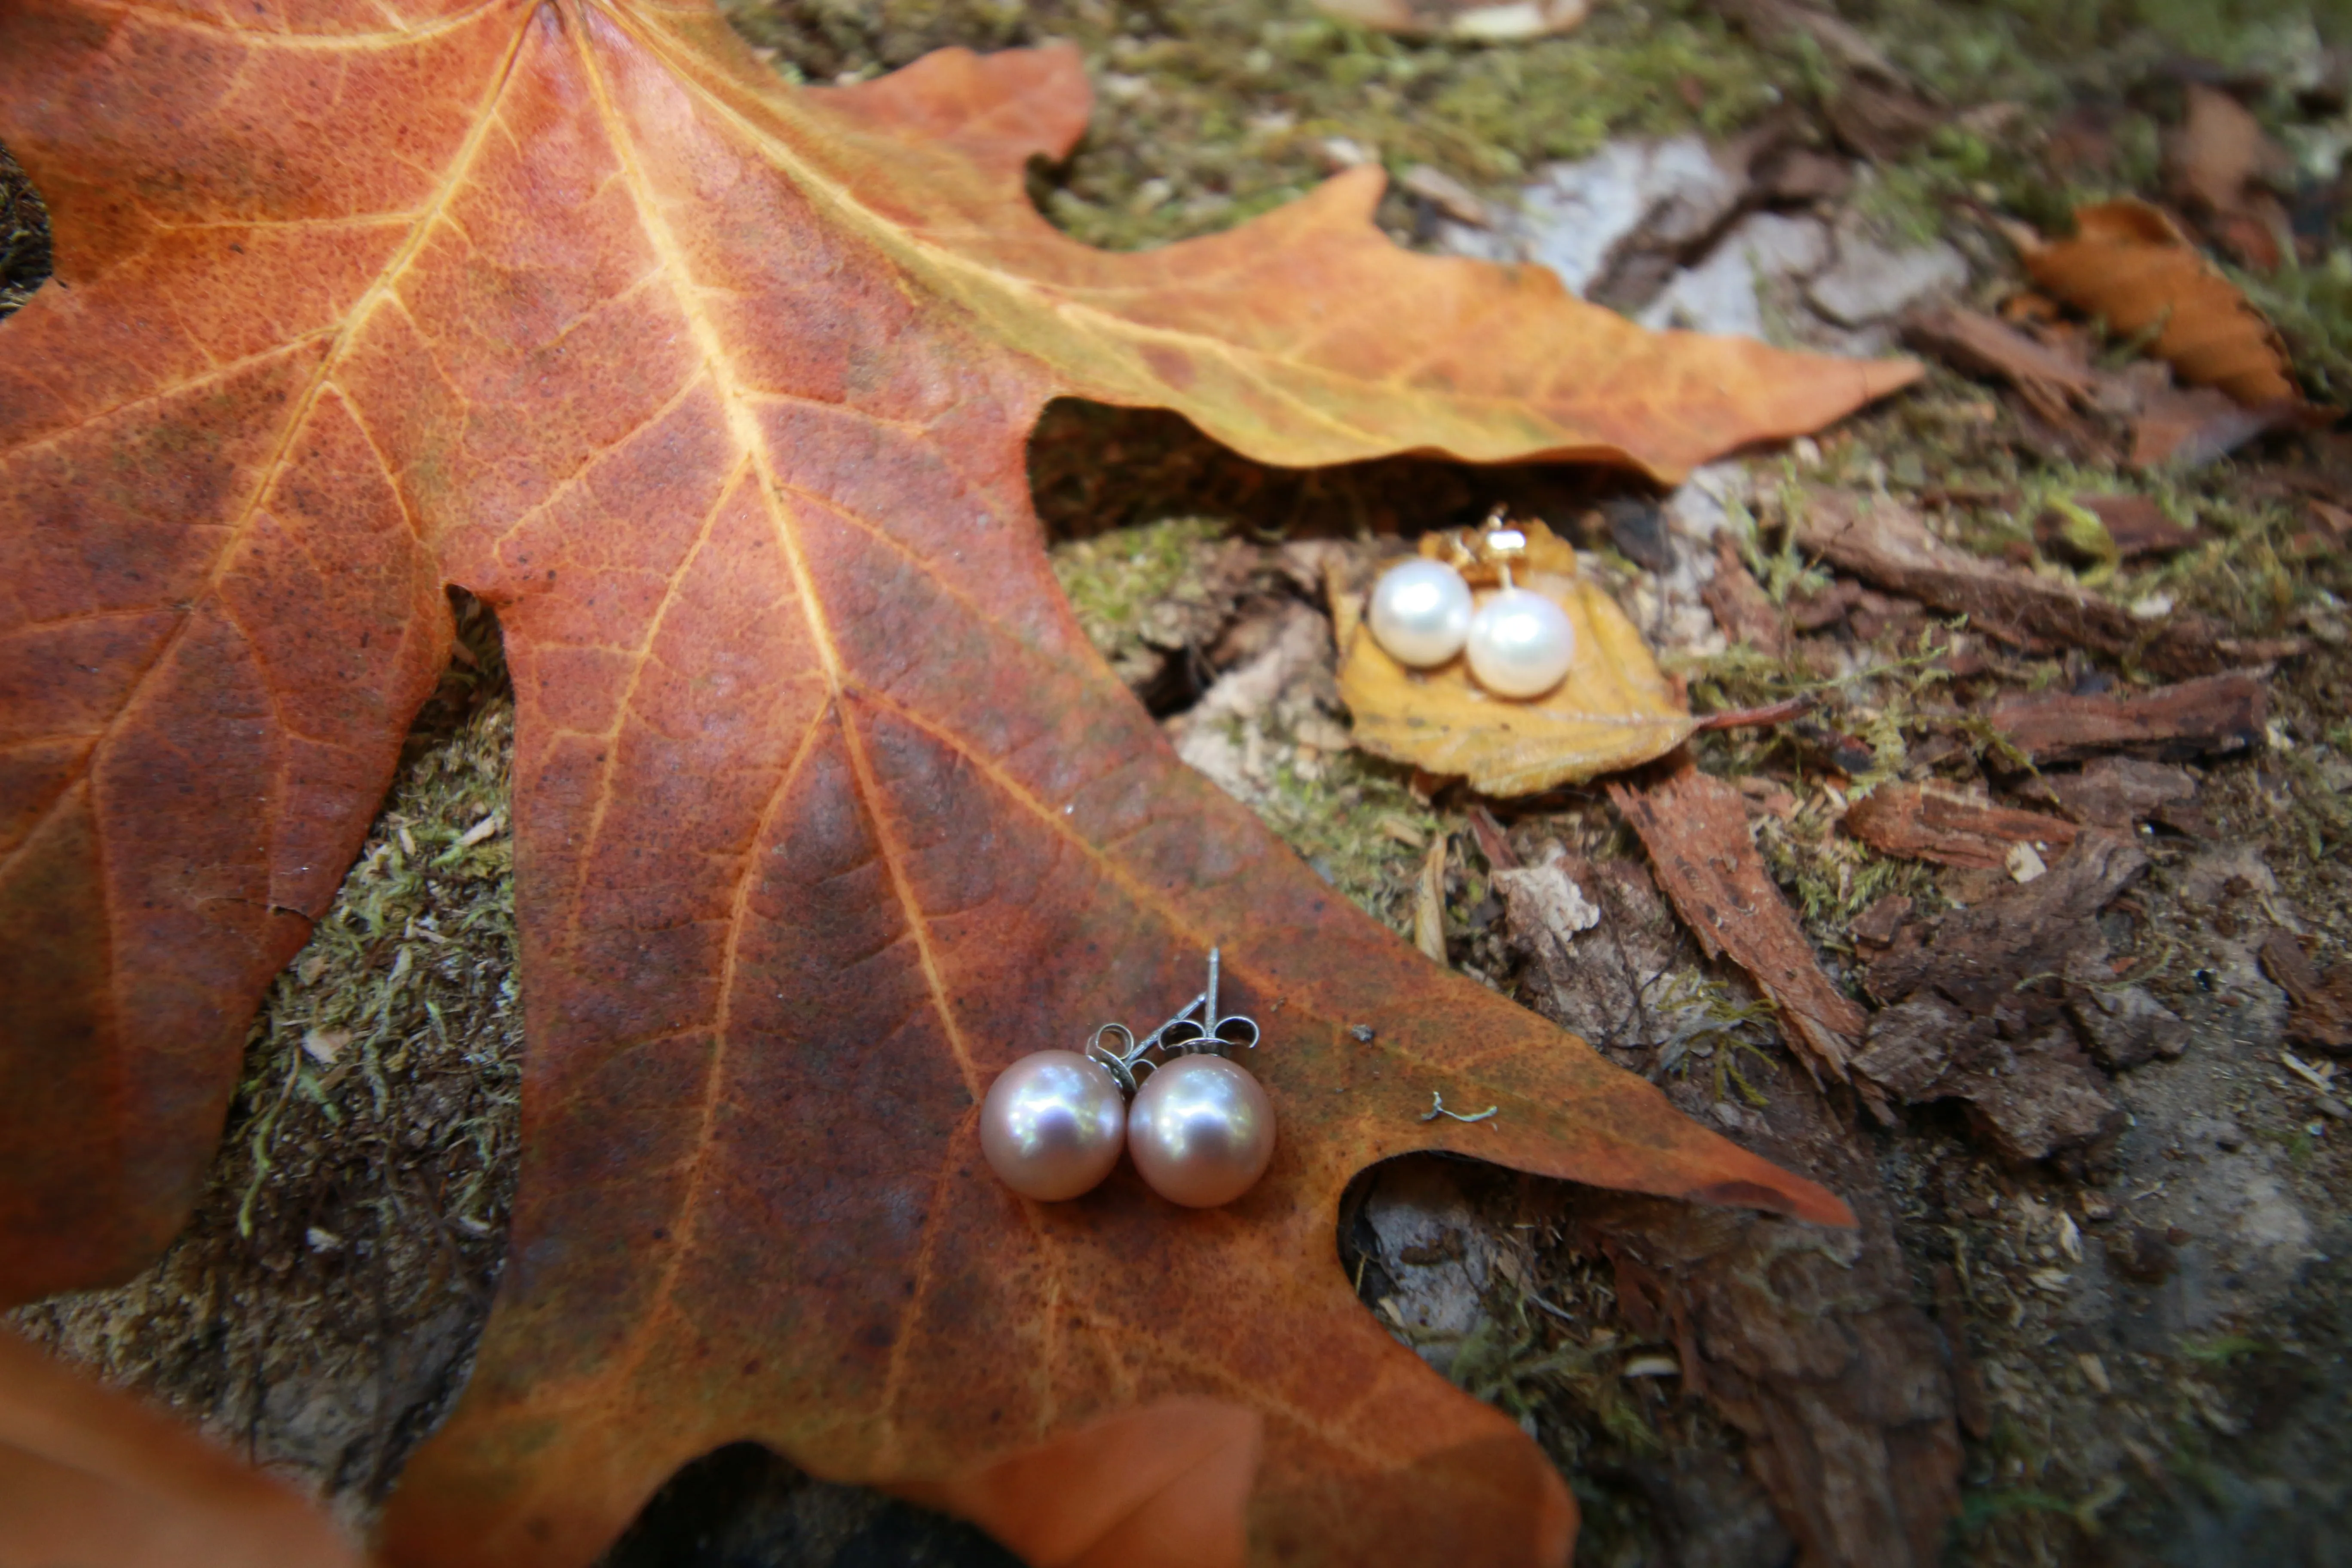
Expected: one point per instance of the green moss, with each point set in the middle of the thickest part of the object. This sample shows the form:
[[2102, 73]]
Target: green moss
[[1352, 817], [411, 974], [2046, 54], [1120, 582], [2311, 308], [1210, 113]]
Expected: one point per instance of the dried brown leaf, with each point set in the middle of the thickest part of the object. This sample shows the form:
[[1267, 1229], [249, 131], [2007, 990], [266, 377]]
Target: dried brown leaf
[[2214, 165], [2131, 266], [93, 1478]]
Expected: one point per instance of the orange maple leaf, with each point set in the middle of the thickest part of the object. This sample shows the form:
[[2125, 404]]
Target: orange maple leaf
[[823, 809]]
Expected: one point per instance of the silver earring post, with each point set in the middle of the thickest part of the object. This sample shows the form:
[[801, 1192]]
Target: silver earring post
[[1196, 1029]]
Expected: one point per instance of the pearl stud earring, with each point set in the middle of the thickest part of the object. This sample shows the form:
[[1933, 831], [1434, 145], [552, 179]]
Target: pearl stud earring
[[1202, 1129], [1519, 643], [1052, 1124], [1421, 613]]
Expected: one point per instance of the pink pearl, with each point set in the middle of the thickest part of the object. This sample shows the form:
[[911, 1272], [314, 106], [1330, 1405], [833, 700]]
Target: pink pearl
[[1051, 1125], [1201, 1131]]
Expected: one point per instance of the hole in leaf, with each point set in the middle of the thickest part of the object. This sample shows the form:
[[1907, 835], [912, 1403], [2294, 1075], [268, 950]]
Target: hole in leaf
[[742, 1505], [23, 236]]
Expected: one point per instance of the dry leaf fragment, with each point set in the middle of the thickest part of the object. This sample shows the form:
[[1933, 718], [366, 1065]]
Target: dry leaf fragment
[[1616, 708], [1695, 829], [2187, 428], [1931, 822], [2129, 264], [93, 1478]]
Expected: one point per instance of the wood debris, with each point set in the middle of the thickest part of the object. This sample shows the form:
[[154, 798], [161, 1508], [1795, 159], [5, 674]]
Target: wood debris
[[2319, 1005], [2002, 1005], [2049, 379], [1932, 821], [1738, 604], [1544, 902], [2132, 527], [1593, 979], [1809, 1344], [1695, 829], [2112, 792], [1886, 543], [2214, 714], [1429, 901]]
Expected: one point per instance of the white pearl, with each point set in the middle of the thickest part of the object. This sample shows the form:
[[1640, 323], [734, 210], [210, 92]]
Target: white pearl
[[1052, 1125], [1421, 613], [1521, 644], [1201, 1131]]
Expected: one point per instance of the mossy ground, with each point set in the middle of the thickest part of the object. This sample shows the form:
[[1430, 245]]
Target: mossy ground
[[388, 1056], [321, 1307]]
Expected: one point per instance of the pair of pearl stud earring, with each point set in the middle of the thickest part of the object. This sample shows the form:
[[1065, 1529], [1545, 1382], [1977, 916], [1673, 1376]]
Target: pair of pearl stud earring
[[1201, 1128], [1518, 643]]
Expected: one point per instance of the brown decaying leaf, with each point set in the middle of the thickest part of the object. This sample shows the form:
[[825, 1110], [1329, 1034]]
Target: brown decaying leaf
[[823, 810], [2084, 413], [2129, 264], [1930, 822], [2217, 714], [93, 1478], [1881, 540], [1695, 829], [1615, 709]]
